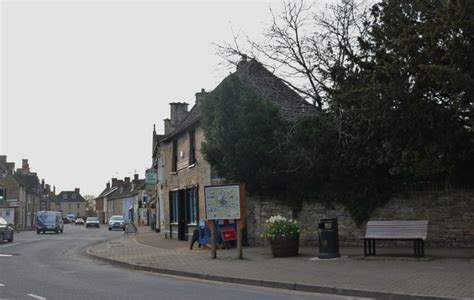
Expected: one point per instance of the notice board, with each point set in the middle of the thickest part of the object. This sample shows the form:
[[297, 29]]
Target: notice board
[[222, 202]]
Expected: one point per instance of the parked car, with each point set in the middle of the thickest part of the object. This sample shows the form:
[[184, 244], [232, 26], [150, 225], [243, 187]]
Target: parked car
[[79, 221], [6, 231], [92, 222], [49, 221], [117, 222]]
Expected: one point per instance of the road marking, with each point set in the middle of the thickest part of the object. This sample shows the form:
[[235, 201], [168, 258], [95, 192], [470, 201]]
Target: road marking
[[5, 255], [36, 296], [8, 245], [1, 284]]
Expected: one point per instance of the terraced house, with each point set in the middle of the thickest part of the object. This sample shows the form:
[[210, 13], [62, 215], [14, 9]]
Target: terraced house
[[182, 169]]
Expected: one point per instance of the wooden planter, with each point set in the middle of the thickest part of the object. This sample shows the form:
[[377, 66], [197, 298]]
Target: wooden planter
[[284, 246]]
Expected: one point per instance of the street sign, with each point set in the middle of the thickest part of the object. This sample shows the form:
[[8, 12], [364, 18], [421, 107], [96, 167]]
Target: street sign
[[151, 177]]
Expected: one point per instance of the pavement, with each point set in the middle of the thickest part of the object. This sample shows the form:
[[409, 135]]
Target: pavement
[[392, 274]]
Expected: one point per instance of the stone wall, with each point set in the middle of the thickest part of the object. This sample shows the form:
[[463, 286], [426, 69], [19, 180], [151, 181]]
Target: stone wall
[[450, 216]]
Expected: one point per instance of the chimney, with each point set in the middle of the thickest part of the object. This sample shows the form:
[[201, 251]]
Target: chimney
[[11, 167], [54, 190], [25, 166], [114, 182], [3, 159], [120, 183], [127, 180], [42, 183], [107, 186], [76, 190], [200, 96], [48, 188], [178, 111], [167, 126], [135, 177]]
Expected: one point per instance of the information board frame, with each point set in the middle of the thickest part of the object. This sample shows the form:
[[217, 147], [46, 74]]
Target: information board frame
[[223, 202]]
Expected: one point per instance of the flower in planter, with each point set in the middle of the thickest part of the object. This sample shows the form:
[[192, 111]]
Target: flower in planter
[[280, 226]]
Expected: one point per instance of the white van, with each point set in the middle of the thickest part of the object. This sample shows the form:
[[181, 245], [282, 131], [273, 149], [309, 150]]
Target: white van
[[49, 221]]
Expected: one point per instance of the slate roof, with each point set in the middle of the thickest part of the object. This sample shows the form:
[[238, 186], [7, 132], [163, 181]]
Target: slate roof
[[127, 190], [256, 77], [30, 181], [67, 196]]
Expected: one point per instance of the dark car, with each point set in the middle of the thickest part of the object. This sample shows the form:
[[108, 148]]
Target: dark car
[[92, 222], [6, 231], [117, 222]]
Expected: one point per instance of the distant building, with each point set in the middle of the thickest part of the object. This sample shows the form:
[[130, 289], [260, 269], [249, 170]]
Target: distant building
[[72, 203]]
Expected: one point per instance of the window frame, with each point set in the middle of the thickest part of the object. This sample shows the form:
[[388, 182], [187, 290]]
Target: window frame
[[192, 147]]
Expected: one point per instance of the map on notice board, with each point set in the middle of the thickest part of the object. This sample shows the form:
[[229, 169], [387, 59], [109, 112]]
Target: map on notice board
[[222, 202]]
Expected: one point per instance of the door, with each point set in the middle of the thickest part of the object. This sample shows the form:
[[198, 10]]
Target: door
[[182, 215]]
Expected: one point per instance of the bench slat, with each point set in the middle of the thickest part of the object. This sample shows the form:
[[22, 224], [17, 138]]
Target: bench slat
[[397, 229]]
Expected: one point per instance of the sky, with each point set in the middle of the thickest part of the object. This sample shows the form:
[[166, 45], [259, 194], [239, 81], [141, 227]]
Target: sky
[[83, 82]]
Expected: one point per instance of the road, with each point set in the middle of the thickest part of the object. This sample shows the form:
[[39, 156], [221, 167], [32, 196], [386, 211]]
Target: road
[[55, 266]]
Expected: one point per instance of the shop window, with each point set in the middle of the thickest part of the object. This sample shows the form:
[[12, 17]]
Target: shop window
[[174, 207], [192, 206]]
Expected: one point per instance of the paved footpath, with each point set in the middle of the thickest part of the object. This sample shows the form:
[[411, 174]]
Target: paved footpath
[[443, 273]]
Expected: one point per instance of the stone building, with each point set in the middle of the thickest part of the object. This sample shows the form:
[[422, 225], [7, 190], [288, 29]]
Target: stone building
[[183, 171], [125, 198], [72, 203]]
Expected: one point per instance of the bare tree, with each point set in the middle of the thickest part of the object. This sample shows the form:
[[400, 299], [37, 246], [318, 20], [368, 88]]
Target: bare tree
[[308, 49]]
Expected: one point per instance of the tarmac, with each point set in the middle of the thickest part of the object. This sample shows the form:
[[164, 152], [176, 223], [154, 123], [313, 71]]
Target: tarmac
[[393, 274]]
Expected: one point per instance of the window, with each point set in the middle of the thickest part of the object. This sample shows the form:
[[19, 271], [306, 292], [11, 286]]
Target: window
[[73, 196], [64, 196], [174, 165], [192, 206], [3, 193], [78, 205], [174, 207], [192, 147]]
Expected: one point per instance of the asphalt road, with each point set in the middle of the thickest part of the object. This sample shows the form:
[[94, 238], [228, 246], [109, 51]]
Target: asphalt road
[[55, 266]]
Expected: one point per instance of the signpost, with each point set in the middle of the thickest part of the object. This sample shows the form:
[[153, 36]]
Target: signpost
[[226, 202]]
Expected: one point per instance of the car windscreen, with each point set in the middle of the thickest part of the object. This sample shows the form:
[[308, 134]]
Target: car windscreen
[[46, 218], [116, 219], [91, 219]]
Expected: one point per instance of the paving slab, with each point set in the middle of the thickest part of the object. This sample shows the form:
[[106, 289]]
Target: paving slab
[[443, 273]]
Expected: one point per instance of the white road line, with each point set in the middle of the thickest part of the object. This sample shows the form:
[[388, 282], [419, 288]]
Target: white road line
[[1, 284], [36, 296], [7, 255], [8, 245]]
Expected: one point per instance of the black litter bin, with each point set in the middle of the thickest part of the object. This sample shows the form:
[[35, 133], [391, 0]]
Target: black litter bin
[[328, 238]]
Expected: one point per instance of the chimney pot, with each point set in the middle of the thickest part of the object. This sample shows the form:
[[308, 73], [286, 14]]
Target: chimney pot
[[127, 180], [107, 185], [76, 190], [114, 182], [135, 177]]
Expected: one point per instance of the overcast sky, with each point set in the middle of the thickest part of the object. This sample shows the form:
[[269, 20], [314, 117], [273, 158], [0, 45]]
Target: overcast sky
[[82, 83]]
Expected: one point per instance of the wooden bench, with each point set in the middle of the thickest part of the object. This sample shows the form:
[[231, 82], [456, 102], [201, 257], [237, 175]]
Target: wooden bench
[[415, 231]]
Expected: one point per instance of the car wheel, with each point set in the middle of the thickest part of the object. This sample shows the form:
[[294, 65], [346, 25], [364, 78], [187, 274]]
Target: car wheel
[[110, 228], [56, 231], [62, 230], [11, 238], [37, 231]]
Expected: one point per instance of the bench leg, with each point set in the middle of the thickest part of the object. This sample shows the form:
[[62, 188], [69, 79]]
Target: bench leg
[[373, 247], [365, 248], [419, 248]]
